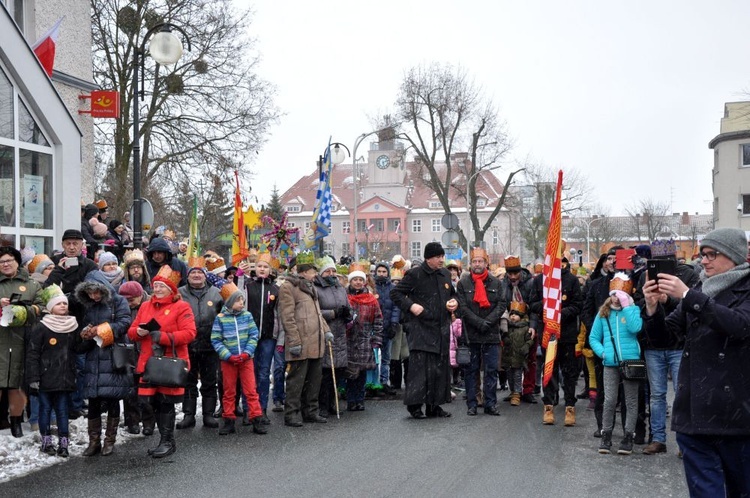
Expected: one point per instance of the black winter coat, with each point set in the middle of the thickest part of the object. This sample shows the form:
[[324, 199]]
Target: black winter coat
[[526, 286], [161, 245], [206, 304], [482, 325], [100, 380], [391, 313], [262, 297], [597, 293], [331, 298], [430, 331], [51, 358], [713, 385], [570, 308], [68, 279]]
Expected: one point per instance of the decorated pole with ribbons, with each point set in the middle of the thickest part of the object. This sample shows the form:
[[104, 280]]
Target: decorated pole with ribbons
[[552, 284]]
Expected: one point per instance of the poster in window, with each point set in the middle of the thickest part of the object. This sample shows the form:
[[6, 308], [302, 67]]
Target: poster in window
[[36, 243], [33, 200]]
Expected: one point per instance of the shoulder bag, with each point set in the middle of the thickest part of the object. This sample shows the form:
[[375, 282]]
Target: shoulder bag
[[629, 369], [463, 353], [166, 371]]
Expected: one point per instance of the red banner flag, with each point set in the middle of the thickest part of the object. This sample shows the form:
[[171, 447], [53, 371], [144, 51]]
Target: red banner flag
[[44, 48], [239, 241], [552, 283]]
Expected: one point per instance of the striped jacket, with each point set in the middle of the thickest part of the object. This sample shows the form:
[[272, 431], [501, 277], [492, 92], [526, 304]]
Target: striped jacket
[[234, 334]]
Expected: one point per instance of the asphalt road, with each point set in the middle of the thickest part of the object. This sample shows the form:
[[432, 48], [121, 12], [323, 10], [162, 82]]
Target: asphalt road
[[378, 452]]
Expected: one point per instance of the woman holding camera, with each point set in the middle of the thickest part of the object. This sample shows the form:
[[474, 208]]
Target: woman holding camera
[[21, 293]]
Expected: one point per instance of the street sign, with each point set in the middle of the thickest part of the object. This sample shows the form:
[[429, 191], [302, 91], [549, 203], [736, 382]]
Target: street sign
[[147, 214], [450, 238], [449, 221]]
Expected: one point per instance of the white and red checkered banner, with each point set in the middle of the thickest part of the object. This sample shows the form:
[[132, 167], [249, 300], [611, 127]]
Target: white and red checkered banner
[[552, 279]]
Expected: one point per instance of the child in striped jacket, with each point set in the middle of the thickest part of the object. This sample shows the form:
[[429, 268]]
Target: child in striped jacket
[[234, 337]]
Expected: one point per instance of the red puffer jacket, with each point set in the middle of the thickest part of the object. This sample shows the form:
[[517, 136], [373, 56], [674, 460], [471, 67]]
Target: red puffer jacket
[[176, 319]]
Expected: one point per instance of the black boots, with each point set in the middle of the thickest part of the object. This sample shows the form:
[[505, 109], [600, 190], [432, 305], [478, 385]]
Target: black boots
[[95, 437], [258, 426], [48, 447], [188, 408], [62, 446], [167, 446], [626, 445], [227, 426], [15, 426], [209, 405], [606, 445], [110, 435]]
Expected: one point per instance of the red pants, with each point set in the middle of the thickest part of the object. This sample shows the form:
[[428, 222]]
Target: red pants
[[246, 373]]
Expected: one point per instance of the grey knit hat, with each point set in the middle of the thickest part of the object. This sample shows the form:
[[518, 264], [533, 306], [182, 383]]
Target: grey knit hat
[[731, 242]]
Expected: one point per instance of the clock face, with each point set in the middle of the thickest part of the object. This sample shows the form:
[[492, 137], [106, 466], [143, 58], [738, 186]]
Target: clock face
[[383, 161]]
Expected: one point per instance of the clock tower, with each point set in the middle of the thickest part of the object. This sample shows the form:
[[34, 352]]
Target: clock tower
[[386, 176]]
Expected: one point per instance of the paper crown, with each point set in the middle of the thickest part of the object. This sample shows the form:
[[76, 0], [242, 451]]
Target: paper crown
[[306, 258], [518, 307], [621, 282], [13, 316], [512, 262], [661, 248], [101, 204], [680, 255], [166, 273], [398, 261], [364, 267], [196, 262], [453, 263], [397, 274], [342, 269], [35, 262], [104, 335], [49, 293], [478, 252], [227, 289], [215, 264], [539, 268], [133, 255]]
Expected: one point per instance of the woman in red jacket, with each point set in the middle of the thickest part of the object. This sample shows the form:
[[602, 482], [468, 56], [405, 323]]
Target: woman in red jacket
[[176, 322]]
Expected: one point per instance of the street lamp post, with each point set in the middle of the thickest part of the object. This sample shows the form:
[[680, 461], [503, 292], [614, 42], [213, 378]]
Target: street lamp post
[[165, 48], [337, 157], [357, 142], [588, 236]]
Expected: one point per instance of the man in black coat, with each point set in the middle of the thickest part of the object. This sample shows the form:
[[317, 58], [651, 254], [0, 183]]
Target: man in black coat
[[481, 305], [159, 254], [566, 361], [710, 412], [425, 297]]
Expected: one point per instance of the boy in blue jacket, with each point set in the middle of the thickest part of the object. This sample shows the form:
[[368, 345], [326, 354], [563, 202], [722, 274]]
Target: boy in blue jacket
[[234, 337]]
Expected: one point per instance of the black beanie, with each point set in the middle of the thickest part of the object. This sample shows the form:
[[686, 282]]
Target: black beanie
[[433, 249]]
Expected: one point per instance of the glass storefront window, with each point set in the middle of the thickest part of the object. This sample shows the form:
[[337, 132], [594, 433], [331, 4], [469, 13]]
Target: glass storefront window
[[41, 245], [36, 189], [6, 107], [28, 130], [7, 187]]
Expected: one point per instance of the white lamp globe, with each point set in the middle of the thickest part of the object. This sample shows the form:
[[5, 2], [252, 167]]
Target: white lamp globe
[[337, 155], [165, 48]]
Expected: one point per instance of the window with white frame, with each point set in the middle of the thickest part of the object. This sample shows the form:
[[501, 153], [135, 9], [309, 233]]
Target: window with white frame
[[345, 249], [495, 237], [481, 202], [435, 205], [745, 204], [745, 155], [416, 226], [436, 226], [291, 224], [416, 249], [307, 225], [346, 226], [293, 208]]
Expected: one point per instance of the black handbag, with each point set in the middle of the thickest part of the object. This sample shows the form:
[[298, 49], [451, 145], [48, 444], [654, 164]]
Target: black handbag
[[123, 357], [166, 371], [463, 352], [629, 369]]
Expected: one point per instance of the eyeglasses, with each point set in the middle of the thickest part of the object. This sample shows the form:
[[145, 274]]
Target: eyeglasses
[[709, 255], [6, 261]]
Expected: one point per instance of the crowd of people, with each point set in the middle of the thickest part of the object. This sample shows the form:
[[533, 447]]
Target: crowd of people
[[79, 329]]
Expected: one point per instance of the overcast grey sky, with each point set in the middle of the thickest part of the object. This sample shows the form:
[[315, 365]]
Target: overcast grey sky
[[628, 93]]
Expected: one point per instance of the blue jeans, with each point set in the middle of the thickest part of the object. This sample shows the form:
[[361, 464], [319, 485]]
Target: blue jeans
[[279, 367], [716, 465], [57, 400], [264, 353], [385, 361], [76, 401], [355, 388], [659, 363], [489, 354]]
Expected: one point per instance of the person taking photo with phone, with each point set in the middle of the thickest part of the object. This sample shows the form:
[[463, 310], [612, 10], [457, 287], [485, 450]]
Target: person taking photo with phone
[[710, 414]]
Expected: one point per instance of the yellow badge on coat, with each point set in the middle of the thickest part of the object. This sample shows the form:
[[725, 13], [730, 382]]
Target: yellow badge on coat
[[447, 286], [22, 288], [52, 341], [210, 303], [564, 297], [272, 297], [166, 312], [622, 319]]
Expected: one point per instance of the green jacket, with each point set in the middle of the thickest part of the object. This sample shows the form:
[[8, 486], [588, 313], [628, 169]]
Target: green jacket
[[12, 337]]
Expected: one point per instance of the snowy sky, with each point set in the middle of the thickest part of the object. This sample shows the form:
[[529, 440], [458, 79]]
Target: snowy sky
[[628, 93]]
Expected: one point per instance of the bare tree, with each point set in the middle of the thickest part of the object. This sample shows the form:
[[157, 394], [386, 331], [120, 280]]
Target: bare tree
[[648, 218], [209, 105], [442, 112], [594, 228]]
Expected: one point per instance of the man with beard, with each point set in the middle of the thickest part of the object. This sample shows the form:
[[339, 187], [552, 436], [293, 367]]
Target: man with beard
[[426, 297], [481, 306]]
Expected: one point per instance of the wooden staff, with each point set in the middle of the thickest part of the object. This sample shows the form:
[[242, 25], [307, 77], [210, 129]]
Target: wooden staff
[[333, 375]]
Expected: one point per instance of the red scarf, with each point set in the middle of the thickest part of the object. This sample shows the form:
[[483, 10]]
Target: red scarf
[[480, 293]]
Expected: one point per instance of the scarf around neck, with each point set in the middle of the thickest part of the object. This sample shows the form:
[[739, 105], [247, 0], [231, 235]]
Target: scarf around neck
[[480, 292], [61, 324], [723, 281]]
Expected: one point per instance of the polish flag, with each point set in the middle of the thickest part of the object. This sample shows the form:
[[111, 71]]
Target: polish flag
[[44, 48]]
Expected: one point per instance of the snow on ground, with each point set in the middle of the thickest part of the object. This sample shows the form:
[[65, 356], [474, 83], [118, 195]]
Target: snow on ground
[[21, 456]]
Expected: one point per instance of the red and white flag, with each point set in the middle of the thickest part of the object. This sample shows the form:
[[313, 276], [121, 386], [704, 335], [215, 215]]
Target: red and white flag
[[398, 228], [552, 283], [44, 48]]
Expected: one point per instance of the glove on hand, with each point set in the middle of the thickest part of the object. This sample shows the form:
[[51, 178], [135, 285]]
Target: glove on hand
[[34, 386], [624, 299], [343, 312], [295, 350], [329, 336], [235, 359], [245, 356], [280, 348], [155, 336]]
